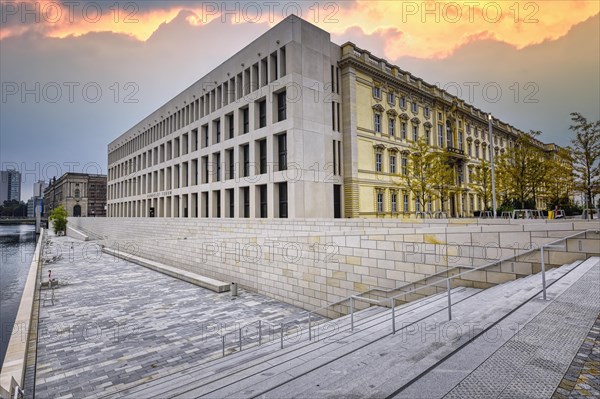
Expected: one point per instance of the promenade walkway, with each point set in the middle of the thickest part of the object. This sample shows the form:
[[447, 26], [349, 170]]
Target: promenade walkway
[[116, 324]]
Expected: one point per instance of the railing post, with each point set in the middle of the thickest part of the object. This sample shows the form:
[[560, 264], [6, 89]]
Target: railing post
[[223, 340], [393, 316], [351, 313], [309, 328], [240, 331], [448, 288], [259, 333], [543, 272], [281, 335]]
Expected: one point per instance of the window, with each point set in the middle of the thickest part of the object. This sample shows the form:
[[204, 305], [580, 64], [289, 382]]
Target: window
[[246, 196], [403, 130], [392, 126], [379, 202], [378, 157], [245, 120], [262, 155], [230, 125], [428, 136], [403, 102], [460, 140], [377, 92], [417, 204], [393, 163], [405, 200], [217, 166], [469, 149], [476, 151], [414, 107], [263, 201], [262, 113], [440, 136], [404, 165], [217, 126], [426, 112], [282, 151], [246, 160], [439, 116], [391, 98], [394, 202], [415, 129], [281, 106], [283, 200], [377, 122]]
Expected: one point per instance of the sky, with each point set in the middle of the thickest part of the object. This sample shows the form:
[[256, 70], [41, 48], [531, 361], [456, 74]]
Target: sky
[[77, 74]]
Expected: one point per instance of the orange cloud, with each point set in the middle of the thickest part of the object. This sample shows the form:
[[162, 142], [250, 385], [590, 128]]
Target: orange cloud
[[426, 29]]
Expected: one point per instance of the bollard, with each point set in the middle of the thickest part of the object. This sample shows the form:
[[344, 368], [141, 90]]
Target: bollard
[[233, 289]]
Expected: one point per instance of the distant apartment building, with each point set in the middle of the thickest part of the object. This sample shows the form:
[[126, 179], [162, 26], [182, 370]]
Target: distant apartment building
[[10, 185], [296, 126], [80, 194]]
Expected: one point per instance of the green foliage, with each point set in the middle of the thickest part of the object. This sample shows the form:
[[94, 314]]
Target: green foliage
[[58, 217], [13, 208], [585, 151], [420, 176]]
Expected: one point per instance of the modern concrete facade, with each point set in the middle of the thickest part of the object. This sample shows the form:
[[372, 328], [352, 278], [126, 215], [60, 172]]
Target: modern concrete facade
[[80, 194], [253, 138], [296, 126], [10, 185]]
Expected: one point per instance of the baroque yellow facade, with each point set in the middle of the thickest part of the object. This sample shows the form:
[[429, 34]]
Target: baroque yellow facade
[[385, 110]]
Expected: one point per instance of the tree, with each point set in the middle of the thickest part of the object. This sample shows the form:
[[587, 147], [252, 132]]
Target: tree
[[419, 177], [585, 151], [58, 217], [13, 208], [522, 169], [443, 177], [559, 181], [481, 181]]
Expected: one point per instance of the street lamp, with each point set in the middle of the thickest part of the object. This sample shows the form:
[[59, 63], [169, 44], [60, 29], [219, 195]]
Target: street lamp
[[492, 163]]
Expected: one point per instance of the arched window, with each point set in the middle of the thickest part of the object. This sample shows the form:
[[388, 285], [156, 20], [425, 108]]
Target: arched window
[[77, 193]]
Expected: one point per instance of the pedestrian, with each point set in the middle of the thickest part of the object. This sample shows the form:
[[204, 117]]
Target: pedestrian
[[49, 275]]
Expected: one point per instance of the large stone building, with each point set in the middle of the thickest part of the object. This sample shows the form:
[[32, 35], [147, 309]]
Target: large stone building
[[10, 185], [294, 125], [80, 194]]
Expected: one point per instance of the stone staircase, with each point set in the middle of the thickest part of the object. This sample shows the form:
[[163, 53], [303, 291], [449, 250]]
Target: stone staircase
[[369, 360]]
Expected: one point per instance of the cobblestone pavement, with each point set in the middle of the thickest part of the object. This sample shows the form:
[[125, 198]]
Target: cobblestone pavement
[[582, 379], [114, 324], [533, 362]]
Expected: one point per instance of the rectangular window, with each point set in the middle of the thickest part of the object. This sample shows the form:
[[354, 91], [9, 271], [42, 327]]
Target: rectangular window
[[246, 199], [426, 112], [394, 202], [469, 149], [262, 155], [245, 160], [230, 124], [414, 107], [440, 136], [378, 157], [245, 120], [282, 151], [392, 126], [415, 129], [392, 163], [476, 151], [376, 92], [262, 114], [460, 140], [263, 200], [231, 202], [377, 123], [281, 106], [405, 202], [403, 130], [217, 166], [403, 102], [217, 127], [391, 98], [417, 205], [283, 200], [379, 202], [428, 136], [404, 165]]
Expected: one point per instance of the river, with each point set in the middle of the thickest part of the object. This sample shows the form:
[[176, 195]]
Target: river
[[17, 245]]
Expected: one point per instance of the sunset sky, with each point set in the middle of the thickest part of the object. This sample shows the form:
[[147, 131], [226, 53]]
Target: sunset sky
[[75, 75]]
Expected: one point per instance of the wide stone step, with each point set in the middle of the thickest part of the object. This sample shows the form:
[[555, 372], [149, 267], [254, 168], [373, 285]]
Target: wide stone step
[[310, 358], [381, 368]]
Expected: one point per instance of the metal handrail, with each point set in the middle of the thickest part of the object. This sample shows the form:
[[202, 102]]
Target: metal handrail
[[393, 299]]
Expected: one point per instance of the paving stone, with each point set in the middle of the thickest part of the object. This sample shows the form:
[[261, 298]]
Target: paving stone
[[114, 323]]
